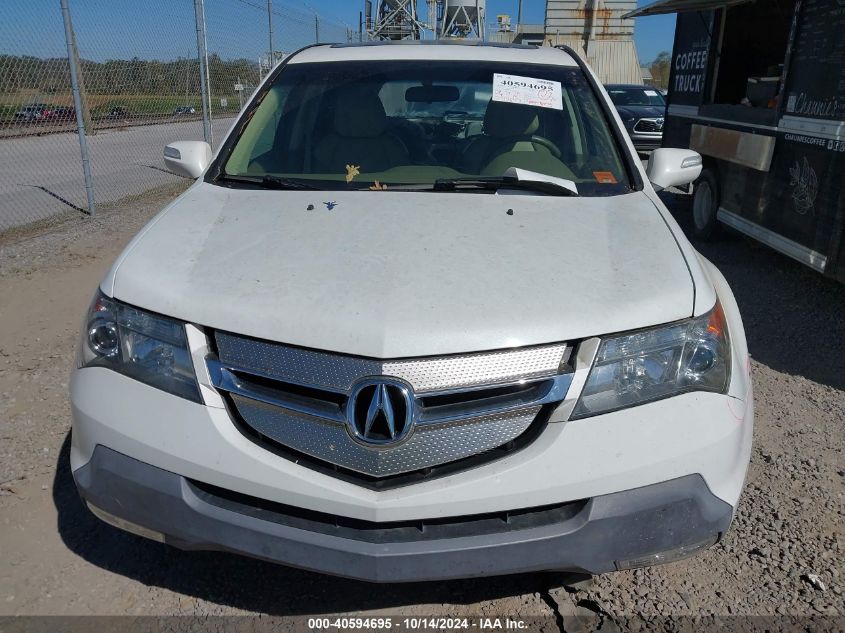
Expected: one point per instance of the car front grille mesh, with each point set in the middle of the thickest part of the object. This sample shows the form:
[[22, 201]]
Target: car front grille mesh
[[652, 126], [464, 405], [338, 372], [428, 446]]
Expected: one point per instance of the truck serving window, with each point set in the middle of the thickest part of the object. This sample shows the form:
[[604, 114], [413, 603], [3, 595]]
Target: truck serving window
[[353, 125], [751, 54]]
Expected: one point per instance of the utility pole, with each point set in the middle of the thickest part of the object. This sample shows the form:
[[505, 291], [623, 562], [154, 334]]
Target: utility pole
[[187, 75], [518, 15], [73, 62], [479, 15], [432, 17], [270, 22], [317, 27], [202, 52]]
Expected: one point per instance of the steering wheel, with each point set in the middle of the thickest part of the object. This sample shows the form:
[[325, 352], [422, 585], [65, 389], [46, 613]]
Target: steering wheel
[[554, 150]]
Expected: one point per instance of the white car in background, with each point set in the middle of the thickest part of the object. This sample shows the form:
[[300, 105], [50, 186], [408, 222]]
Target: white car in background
[[422, 316]]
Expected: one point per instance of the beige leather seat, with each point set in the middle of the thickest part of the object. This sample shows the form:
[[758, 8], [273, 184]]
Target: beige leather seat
[[509, 132], [359, 137]]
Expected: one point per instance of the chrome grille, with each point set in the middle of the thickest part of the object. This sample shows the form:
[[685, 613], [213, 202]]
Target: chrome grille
[[335, 372], [653, 126], [463, 405], [428, 446]]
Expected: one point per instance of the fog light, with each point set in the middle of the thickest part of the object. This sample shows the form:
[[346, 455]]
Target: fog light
[[668, 556], [124, 525]]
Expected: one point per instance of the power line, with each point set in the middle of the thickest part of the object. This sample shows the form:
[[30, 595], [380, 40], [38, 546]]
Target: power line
[[301, 17]]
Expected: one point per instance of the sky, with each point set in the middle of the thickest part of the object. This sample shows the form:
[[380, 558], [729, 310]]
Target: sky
[[165, 29]]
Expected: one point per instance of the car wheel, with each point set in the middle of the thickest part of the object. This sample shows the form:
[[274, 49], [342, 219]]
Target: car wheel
[[705, 205]]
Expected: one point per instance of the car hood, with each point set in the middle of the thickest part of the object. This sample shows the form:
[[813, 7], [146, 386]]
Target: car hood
[[399, 274], [640, 112]]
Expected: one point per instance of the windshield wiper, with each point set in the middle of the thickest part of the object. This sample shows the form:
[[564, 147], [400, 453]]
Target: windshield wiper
[[513, 179], [267, 182]]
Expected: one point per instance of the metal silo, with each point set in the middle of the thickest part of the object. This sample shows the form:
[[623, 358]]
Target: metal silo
[[597, 32], [463, 18]]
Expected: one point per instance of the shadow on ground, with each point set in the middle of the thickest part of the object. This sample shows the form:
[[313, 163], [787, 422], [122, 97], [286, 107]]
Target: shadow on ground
[[245, 583], [794, 317]]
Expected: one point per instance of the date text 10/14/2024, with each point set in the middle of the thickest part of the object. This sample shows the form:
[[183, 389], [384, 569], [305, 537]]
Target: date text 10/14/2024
[[416, 623]]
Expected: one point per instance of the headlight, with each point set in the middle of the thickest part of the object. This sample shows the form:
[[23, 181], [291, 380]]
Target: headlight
[[638, 367], [147, 347]]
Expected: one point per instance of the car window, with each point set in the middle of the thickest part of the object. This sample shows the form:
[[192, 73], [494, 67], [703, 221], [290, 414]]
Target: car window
[[635, 97], [355, 124]]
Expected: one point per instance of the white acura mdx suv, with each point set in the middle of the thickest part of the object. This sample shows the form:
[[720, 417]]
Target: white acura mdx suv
[[421, 316]]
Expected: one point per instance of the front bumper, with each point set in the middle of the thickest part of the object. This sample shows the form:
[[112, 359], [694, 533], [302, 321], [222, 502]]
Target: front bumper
[[695, 433], [646, 142], [636, 527]]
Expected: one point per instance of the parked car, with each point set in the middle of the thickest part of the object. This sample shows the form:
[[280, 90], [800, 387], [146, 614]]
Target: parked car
[[118, 112], [33, 112], [61, 114], [505, 357], [185, 110], [643, 111]]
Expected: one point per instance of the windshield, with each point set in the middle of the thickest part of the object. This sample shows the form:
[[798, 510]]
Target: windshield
[[635, 96], [363, 125]]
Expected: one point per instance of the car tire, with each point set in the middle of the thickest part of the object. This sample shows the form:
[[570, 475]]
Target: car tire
[[705, 206]]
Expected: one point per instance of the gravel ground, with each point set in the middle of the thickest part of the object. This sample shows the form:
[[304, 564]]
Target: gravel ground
[[783, 556]]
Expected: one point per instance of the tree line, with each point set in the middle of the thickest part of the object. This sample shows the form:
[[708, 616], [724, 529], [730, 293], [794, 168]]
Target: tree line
[[125, 76], [660, 68]]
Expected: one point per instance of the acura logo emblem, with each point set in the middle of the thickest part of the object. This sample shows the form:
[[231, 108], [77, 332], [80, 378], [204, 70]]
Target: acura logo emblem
[[380, 411]]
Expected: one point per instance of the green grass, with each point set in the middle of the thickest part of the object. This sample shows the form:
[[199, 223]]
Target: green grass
[[136, 105]]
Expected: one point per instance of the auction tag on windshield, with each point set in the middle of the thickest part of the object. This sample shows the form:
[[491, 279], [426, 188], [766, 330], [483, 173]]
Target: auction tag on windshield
[[527, 91], [651, 93]]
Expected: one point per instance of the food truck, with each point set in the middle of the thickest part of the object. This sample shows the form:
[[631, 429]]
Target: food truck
[[758, 89]]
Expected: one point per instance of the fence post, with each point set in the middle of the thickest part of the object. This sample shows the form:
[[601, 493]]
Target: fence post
[[73, 58], [202, 52]]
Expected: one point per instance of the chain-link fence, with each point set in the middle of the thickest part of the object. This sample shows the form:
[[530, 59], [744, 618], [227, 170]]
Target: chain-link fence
[[138, 87]]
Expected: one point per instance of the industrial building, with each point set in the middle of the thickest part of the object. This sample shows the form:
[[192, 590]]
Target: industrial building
[[595, 29]]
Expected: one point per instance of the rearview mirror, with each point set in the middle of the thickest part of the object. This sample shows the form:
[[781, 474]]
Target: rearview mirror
[[670, 167], [187, 158], [432, 94]]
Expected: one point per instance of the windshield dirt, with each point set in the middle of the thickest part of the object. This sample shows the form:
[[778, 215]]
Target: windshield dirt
[[382, 125]]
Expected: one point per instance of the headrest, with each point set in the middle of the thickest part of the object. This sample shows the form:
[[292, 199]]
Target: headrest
[[359, 113], [504, 120]]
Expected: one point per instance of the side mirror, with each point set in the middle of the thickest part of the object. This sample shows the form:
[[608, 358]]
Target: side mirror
[[187, 158], [669, 167]]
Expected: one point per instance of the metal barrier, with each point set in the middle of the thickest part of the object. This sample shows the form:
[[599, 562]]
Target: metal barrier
[[90, 93]]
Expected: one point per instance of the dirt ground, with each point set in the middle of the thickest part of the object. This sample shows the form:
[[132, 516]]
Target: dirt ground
[[783, 556]]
